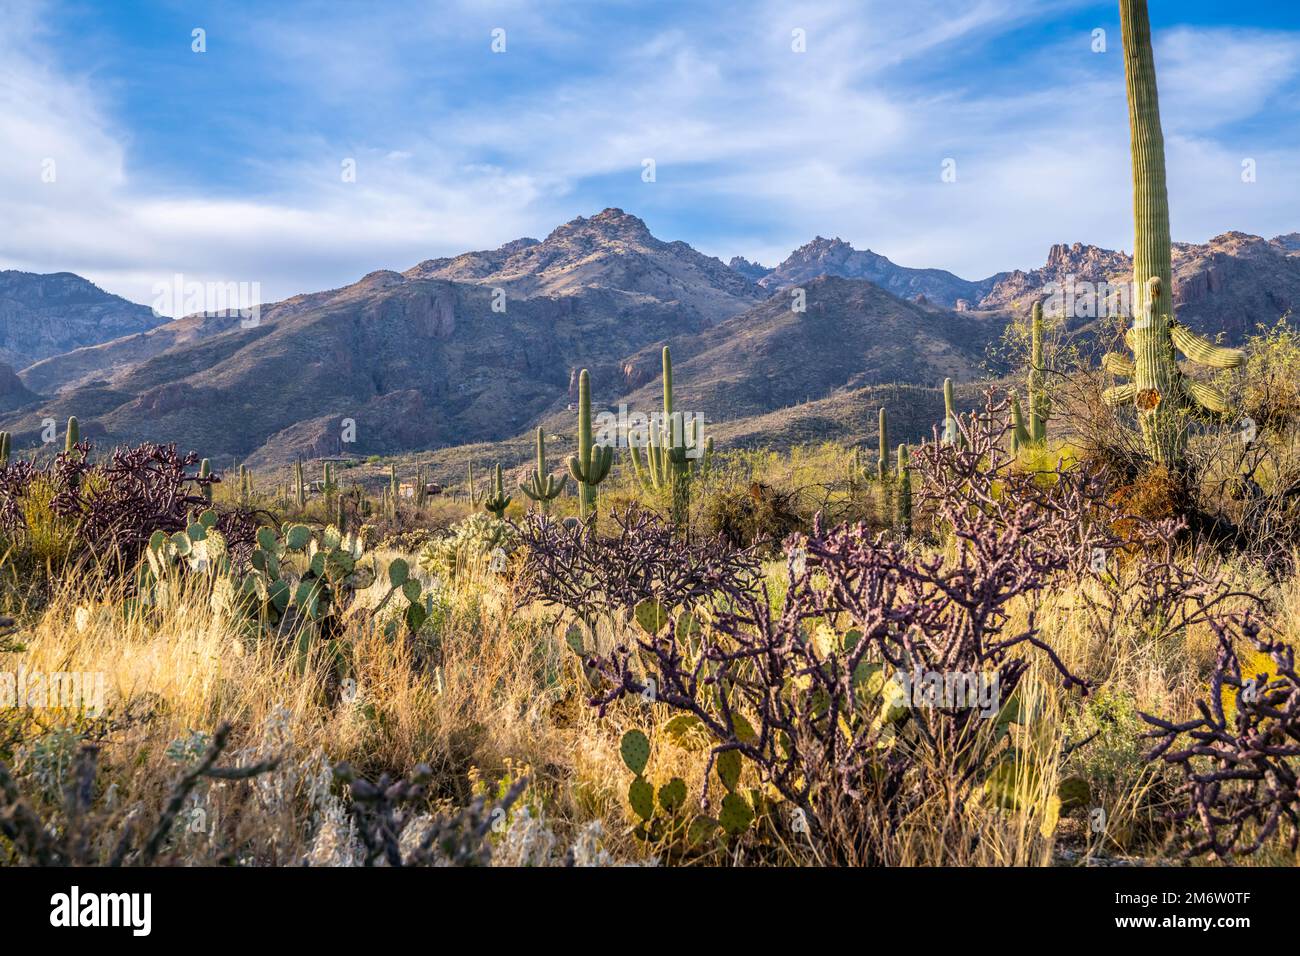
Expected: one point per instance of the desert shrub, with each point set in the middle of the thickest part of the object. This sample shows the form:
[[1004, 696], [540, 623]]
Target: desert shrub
[[469, 547], [595, 574], [758, 515], [106, 510], [1238, 756]]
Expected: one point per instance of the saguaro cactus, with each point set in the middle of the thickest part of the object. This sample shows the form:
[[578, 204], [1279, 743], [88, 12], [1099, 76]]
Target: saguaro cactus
[[299, 486], [1019, 433], [5, 439], [882, 460], [475, 497], [1038, 402], [538, 484], [205, 471], [498, 501], [421, 488], [951, 432], [72, 436], [590, 466], [669, 464], [1162, 395], [904, 492]]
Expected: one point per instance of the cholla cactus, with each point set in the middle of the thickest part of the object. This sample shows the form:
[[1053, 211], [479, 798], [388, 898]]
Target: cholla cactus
[[498, 501], [590, 466], [1162, 395], [538, 485]]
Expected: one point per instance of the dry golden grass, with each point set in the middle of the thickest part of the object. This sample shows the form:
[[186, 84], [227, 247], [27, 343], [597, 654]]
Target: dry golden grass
[[488, 691]]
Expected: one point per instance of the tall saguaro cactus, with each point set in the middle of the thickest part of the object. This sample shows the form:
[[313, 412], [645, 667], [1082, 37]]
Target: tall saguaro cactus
[[299, 486], [904, 492], [590, 466], [668, 466], [882, 459], [539, 485], [1162, 394], [72, 436], [1038, 406]]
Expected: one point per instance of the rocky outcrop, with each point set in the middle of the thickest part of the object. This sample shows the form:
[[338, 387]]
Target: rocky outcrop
[[835, 257], [46, 315], [1230, 285]]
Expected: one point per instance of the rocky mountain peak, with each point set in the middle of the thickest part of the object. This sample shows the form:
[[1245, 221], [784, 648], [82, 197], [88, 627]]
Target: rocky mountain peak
[[608, 225]]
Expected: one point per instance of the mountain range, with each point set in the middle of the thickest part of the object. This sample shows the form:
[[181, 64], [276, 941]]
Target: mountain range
[[484, 346]]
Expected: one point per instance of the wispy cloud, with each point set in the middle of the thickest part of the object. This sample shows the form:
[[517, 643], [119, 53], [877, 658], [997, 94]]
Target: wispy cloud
[[758, 147]]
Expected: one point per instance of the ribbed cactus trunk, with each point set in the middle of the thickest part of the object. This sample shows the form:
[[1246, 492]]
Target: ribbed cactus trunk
[[590, 466], [904, 492], [1037, 391], [882, 459], [1155, 376]]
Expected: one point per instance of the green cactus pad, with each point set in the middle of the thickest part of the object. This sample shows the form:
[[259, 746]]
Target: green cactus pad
[[635, 749], [701, 831], [686, 731], [728, 766], [672, 795], [651, 616], [574, 637], [735, 814], [398, 572], [411, 590], [1075, 792], [745, 732], [297, 537], [278, 595], [641, 796]]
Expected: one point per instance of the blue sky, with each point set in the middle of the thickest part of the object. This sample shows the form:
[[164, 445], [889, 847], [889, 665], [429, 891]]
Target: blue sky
[[226, 165]]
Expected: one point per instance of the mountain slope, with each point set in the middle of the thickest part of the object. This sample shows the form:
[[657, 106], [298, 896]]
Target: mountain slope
[[44, 315]]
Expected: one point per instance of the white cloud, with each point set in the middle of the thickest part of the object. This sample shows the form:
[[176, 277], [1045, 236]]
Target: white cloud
[[830, 142]]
